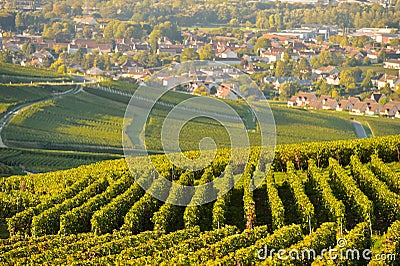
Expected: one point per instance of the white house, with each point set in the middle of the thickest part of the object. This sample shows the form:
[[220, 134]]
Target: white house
[[228, 53]]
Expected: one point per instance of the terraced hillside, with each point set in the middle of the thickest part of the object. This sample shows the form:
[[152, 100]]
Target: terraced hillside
[[316, 194]]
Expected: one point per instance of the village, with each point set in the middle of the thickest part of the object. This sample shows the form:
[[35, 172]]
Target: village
[[318, 59]]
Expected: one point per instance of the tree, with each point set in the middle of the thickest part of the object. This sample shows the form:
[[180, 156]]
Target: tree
[[387, 90], [383, 101], [347, 79], [320, 38], [62, 69], [303, 69], [367, 80], [99, 62], [19, 21], [394, 42], [189, 54], [282, 69], [382, 55], [335, 94], [28, 48], [62, 10], [262, 43], [154, 61], [271, 21], [153, 39], [286, 90], [206, 52], [325, 58], [200, 91]]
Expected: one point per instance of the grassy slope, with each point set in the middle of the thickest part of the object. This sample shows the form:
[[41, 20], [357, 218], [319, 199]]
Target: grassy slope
[[11, 95], [81, 119], [86, 121]]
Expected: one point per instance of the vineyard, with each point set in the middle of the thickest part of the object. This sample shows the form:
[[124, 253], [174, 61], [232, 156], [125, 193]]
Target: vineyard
[[77, 122], [92, 121], [316, 194], [17, 74], [12, 95], [16, 161]]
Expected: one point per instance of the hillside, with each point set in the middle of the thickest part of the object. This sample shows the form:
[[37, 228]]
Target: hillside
[[75, 213], [91, 121]]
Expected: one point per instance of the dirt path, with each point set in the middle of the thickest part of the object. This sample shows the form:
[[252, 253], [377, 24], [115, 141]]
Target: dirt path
[[360, 131]]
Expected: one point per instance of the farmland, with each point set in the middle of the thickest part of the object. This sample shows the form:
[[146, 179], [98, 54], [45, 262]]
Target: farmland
[[341, 189], [11, 73], [12, 95], [93, 121]]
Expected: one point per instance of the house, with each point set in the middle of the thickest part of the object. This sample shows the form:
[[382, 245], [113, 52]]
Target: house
[[390, 109], [292, 101], [326, 71], [228, 53], [170, 49], [373, 109], [373, 57], [316, 104], [329, 104], [392, 64], [171, 81], [386, 79], [86, 21], [226, 91], [344, 105], [376, 96], [375, 79], [94, 71], [333, 79], [302, 99], [359, 108], [354, 100]]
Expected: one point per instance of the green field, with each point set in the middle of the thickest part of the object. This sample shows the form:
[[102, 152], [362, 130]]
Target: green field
[[98, 215], [93, 122], [77, 122], [21, 161], [18, 74], [12, 95]]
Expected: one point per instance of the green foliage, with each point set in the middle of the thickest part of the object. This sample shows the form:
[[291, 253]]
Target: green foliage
[[21, 223], [111, 216], [336, 207], [280, 239], [304, 206], [77, 220], [198, 213], [383, 172], [164, 218], [221, 204], [275, 202], [189, 54], [358, 239], [138, 217], [206, 52], [224, 247], [349, 191], [104, 193], [324, 236], [387, 203], [48, 221]]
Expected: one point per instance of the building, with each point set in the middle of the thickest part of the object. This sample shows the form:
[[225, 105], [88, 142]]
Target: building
[[303, 99], [392, 64]]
